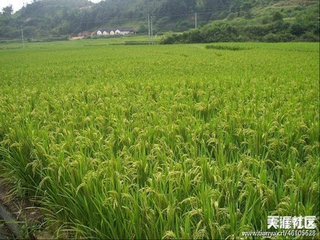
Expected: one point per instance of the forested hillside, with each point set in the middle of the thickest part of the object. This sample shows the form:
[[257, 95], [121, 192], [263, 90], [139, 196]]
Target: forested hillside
[[60, 18], [283, 21]]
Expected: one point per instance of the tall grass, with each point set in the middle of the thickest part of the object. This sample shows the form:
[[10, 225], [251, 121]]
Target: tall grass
[[162, 142]]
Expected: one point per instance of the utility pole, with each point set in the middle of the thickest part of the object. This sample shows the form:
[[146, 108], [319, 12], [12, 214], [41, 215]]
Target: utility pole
[[151, 29], [22, 37], [195, 20]]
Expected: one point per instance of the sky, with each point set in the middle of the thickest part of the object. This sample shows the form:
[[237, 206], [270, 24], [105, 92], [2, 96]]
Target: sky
[[17, 4]]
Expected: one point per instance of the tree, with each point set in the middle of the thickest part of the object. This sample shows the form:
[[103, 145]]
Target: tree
[[7, 11], [297, 29], [277, 17]]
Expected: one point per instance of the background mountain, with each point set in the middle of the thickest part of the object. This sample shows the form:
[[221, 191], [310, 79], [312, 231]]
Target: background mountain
[[62, 18]]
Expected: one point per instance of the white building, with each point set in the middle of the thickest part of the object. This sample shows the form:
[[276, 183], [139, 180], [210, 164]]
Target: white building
[[125, 32], [99, 33]]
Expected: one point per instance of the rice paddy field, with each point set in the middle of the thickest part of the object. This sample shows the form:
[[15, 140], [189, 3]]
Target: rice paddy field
[[161, 142]]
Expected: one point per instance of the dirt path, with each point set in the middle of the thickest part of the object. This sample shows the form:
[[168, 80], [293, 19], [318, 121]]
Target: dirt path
[[5, 233], [19, 218]]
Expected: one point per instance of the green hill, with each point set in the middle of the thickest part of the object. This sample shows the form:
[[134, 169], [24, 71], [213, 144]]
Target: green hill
[[278, 21], [59, 18]]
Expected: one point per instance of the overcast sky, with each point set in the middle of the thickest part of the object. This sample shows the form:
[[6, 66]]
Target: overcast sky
[[17, 4]]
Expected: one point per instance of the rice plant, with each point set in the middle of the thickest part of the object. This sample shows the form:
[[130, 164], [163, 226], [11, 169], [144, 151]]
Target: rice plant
[[161, 142]]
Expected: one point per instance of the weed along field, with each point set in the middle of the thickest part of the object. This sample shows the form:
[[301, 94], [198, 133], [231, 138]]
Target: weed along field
[[200, 141]]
